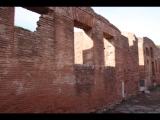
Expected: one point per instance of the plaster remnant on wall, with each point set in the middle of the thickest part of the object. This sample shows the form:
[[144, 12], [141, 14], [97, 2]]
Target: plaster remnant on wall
[[5, 72], [59, 90], [70, 79], [62, 56], [20, 87], [89, 56], [60, 65]]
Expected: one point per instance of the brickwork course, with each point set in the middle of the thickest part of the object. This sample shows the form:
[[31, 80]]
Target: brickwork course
[[54, 70]]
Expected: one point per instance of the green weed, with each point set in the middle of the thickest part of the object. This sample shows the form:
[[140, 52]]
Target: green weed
[[23, 28]]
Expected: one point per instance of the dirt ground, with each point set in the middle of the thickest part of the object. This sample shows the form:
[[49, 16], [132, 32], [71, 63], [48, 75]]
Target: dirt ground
[[143, 103]]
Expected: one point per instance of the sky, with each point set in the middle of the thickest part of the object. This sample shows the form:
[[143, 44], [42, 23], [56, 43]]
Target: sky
[[142, 21]]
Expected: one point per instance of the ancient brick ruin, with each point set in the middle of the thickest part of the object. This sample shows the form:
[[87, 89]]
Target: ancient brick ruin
[[54, 70]]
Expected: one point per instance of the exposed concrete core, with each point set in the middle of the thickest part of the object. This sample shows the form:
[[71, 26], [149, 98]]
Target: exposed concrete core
[[54, 70]]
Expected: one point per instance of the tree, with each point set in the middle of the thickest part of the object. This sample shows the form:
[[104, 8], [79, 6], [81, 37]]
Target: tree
[[158, 46]]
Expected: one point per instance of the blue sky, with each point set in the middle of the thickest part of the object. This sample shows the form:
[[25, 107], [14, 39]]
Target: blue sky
[[143, 21]]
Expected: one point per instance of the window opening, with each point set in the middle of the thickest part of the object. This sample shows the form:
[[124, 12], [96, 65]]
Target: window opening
[[109, 50], [153, 68], [26, 19], [83, 47], [151, 52], [147, 51]]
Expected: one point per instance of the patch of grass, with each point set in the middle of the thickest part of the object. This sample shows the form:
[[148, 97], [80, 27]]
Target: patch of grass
[[158, 86], [123, 101], [152, 88], [158, 46], [23, 28]]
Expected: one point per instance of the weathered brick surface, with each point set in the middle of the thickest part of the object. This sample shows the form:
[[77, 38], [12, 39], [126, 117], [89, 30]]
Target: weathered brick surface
[[54, 70], [132, 65], [148, 72]]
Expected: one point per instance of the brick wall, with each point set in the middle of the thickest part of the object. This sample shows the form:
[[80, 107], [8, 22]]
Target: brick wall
[[147, 71], [131, 65], [54, 70]]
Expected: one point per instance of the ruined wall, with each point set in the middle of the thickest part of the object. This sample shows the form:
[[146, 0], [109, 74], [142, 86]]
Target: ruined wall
[[131, 65], [54, 70], [149, 65]]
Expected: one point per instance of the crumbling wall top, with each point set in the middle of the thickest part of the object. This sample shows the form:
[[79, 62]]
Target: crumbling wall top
[[40, 10], [148, 40], [89, 10], [105, 21]]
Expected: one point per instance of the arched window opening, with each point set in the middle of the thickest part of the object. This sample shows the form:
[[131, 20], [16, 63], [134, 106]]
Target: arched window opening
[[153, 68], [148, 70], [156, 65], [151, 52], [147, 51]]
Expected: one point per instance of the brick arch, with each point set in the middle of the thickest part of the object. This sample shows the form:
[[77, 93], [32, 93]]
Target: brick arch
[[85, 15]]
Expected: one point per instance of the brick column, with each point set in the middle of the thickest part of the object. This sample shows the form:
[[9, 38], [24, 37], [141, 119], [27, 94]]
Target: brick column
[[97, 37], [98, 54], [63, 49], [6, 50]]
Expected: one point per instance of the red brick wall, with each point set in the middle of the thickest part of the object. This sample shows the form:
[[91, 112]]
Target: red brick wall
[[131, 65], [146, 68], [38, 72]]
